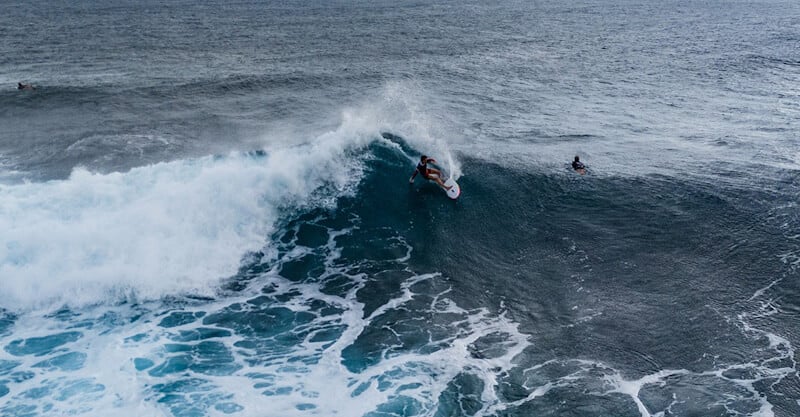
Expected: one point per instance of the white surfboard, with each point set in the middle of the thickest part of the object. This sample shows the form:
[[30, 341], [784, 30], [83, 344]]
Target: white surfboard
[[454, 190]]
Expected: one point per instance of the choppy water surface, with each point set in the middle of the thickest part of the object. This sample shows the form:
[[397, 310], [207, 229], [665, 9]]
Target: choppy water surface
[[205, 209]]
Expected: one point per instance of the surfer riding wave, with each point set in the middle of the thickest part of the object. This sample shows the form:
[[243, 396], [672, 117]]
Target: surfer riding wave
[[430, 174]]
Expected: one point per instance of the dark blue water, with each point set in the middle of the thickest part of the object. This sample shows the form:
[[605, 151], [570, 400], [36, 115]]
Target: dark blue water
[[205, 209]]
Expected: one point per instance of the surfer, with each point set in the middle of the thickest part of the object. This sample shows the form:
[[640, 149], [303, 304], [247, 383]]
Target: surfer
[[578, 166], [21, 86], [428, 173]]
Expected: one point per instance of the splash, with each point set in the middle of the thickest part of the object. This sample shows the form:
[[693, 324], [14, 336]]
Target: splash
[[167, 228]]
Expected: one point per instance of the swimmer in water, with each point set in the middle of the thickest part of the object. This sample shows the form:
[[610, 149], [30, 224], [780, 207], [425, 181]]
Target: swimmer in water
[[578, 166]]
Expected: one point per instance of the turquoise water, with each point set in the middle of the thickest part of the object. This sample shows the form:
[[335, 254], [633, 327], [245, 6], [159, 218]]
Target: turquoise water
[[205, 209]]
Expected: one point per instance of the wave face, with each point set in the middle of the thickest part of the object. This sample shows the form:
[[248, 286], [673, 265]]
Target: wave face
[[351, 303], [322, 317]]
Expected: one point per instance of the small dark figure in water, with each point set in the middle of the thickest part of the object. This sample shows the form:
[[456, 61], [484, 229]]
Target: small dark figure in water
[[21, 86], [430, 174], [578, 166]]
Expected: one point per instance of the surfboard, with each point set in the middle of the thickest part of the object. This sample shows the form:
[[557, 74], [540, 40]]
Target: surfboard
[[454, 191]]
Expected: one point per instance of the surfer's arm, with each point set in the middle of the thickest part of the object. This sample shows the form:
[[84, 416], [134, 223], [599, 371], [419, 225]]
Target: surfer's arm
[[436, 163], [414, 175]]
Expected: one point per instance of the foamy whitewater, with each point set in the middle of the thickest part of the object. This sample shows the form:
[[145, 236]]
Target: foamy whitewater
[[205, 209]]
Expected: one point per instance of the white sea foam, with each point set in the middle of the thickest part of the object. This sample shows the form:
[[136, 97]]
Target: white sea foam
[[598, 378], [104, 382], [161, 229], [632, 387], [325, 386], [402, 110], [299, 379]]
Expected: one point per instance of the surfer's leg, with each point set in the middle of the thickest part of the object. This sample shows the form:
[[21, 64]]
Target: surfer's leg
[[440, 182]]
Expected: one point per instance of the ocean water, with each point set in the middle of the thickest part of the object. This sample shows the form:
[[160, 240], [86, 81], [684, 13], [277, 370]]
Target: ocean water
[[205, 208]]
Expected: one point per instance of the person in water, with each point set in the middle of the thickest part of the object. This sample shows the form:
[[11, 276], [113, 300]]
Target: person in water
[[21, 86], [430, 174], [578, 166]]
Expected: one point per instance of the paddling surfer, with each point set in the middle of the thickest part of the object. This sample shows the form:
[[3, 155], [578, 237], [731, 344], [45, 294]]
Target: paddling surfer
[[578, 166]]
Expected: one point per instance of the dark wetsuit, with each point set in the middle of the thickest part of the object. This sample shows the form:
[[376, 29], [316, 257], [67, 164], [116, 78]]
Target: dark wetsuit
[[576, 165], [423, 170]]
